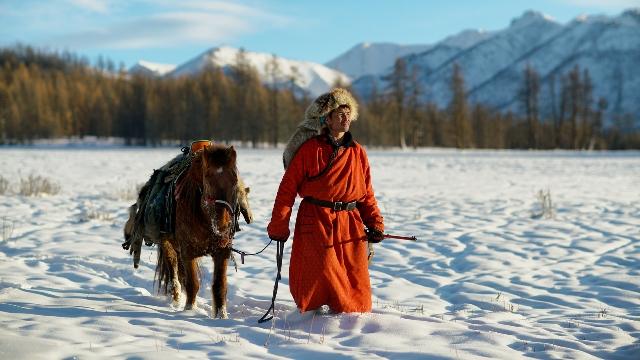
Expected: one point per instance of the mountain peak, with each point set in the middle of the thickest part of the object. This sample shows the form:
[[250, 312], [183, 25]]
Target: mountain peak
[[150, 68], [372, 58], [530, 17], [632, 11], [631, 15], [312, 77], [466, 38]]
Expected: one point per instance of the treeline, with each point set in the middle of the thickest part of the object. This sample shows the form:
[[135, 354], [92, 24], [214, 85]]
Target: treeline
[[51, 95], [396, 116], [45, 95]]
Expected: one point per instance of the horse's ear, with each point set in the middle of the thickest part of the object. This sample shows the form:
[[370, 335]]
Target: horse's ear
[[231, 153]]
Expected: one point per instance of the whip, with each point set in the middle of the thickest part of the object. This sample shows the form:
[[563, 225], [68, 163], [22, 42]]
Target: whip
[[411, 238]]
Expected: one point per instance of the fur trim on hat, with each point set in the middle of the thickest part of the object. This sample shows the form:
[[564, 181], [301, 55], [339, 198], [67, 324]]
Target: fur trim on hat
[[330, 101], [313, 123]]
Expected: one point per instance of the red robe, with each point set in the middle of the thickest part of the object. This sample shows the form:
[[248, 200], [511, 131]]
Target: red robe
[[329, 256]]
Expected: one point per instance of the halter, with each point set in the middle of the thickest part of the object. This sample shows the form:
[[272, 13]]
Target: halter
[[235, 213], [233, 209]]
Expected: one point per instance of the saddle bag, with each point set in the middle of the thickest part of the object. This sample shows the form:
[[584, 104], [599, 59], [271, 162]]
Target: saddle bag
[[159, 211]]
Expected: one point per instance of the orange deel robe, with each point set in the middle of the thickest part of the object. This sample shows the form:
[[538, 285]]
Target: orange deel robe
[[329, 256]]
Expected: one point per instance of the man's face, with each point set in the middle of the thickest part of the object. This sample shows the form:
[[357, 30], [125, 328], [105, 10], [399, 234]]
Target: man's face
[[339, 120]]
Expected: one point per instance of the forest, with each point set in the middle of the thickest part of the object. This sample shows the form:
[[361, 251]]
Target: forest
[[50, 95]]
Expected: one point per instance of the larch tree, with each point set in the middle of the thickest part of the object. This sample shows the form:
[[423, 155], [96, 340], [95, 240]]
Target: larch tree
[[274, 74], [529, 94], [458, 109], [396, 88]]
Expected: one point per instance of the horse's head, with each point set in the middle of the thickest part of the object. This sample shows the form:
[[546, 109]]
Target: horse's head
[[219, 188]]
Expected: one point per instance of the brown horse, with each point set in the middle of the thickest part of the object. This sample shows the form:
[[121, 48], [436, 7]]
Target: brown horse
[[205, 222]]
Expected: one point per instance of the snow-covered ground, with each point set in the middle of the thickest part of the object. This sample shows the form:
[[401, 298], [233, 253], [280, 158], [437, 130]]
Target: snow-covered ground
[[486, 278]]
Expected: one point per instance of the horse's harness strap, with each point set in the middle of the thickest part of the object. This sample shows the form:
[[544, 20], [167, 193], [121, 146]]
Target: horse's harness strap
[[226, 204], [233, 210]]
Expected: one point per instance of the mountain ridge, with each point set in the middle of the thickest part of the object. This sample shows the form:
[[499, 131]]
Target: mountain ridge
[[492, 62]]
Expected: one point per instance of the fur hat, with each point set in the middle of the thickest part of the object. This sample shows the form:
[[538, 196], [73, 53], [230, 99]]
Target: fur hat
[[314, 119], [330, 101]]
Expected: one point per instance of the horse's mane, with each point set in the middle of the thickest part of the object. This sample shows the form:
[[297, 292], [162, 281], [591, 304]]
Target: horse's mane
[[191, 187]]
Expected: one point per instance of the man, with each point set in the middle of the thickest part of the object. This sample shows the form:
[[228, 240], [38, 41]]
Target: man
[[331, 173]]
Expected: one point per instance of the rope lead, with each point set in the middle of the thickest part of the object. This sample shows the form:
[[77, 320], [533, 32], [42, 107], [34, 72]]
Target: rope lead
[[279, 255]]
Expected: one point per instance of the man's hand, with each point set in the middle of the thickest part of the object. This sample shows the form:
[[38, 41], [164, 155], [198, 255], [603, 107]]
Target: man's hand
[[374, 235]]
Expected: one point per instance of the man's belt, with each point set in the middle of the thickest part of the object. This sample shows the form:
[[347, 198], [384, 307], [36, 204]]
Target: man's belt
[[336, 206]]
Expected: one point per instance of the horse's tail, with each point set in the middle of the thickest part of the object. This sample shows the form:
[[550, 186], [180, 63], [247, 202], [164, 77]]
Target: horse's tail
[[134, 228], [165, 275], [164, 272]]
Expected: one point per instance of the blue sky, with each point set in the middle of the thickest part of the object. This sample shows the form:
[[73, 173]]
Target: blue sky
[[175, 31]]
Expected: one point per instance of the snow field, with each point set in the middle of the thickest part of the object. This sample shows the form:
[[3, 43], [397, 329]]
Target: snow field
[[485, 279]]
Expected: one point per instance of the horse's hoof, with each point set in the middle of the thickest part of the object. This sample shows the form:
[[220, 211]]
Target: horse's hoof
[[189, 306], [220, 313]]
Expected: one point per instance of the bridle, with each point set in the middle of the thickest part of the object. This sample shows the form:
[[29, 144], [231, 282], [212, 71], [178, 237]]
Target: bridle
[[234, 210]]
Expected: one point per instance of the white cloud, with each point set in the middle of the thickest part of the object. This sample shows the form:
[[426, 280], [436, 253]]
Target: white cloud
[[188, 22], [99, 6], [164, 30]]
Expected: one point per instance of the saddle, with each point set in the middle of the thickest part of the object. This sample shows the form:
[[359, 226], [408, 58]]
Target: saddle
[[159, 207]]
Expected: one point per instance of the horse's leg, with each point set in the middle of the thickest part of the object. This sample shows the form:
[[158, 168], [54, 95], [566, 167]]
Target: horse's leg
[[192, 282], [219, 286], [171, 256]]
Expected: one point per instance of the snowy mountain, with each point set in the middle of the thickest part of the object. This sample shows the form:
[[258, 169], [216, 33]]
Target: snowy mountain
[[493, 67], [367, 58], [492, 63], [147, 68], [608, 47], [312, 77], [482, 61], [375, 59]]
